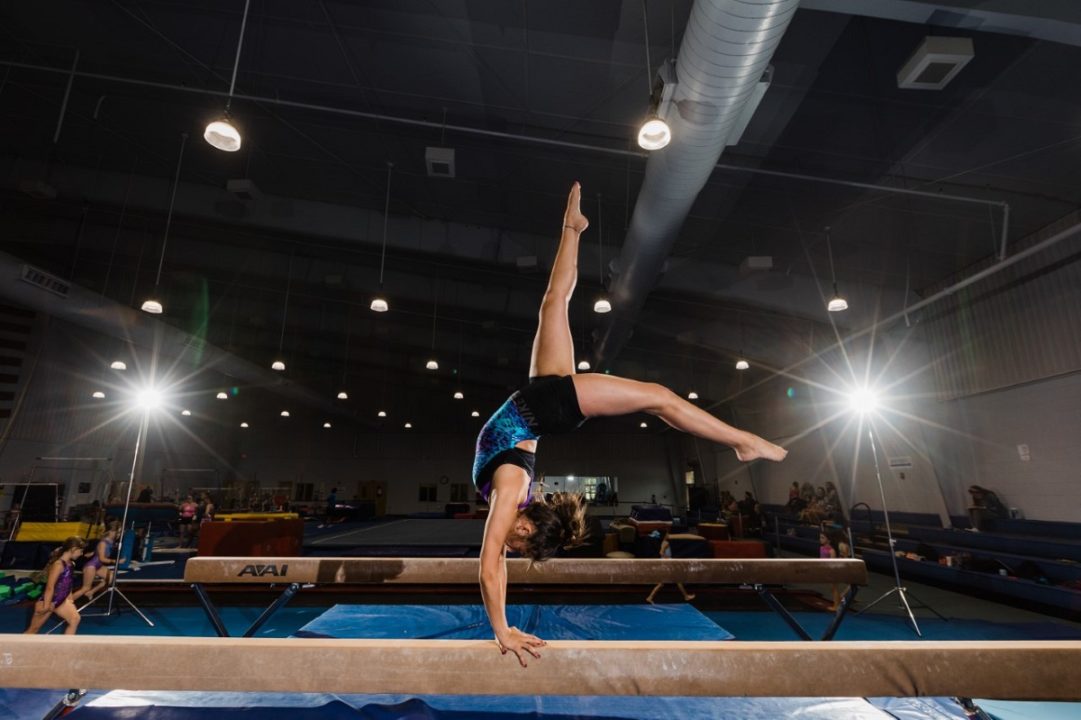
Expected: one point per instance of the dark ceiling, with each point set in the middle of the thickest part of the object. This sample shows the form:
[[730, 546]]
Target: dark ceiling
[[531, 95]]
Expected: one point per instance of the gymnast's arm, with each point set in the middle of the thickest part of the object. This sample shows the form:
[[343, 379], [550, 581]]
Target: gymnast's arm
[[493, 575]]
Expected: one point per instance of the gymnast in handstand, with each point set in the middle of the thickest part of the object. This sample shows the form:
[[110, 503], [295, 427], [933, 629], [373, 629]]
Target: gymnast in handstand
[[556, 400]]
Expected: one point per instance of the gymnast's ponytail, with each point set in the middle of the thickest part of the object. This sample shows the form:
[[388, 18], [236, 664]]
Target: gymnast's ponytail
[[560, 522], [72, 542]]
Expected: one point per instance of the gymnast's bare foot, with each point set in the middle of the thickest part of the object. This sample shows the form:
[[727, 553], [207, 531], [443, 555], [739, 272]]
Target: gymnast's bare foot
[[573, 217], [755, 448]]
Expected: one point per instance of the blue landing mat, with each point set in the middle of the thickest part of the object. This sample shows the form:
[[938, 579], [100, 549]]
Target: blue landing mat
[[551, 622], [123, 705]]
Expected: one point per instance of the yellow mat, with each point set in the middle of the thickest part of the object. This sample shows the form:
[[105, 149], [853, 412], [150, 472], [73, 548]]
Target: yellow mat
[[56, 532]]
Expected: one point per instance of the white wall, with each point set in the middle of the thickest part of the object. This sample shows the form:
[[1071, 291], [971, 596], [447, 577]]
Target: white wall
[[982, 449]]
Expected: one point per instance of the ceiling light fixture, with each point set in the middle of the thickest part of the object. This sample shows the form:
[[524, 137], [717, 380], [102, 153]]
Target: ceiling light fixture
[[279, 362], [118, 365], [643, 424], [152, 304], [379, 302], [742, 364], [221, 133], [185, 413], [285, 413], [382, 413], [222, 396], [98, 395], [655, 134], [408, 425], [326, 425], [837, 303], [601, 305], [583, 364], [474, 414], [342, 394], [243, 424], [692, 395], [459, 395], [432, 363]]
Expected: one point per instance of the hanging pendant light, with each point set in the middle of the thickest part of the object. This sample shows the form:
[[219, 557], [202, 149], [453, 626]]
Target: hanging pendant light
[[98, 395], [837, 303], [118, 365], [433, 364], [285, 413], [243, 424], [601, 305], [583, 365], [475, 413], [742, 364], [379, 302], [692, 395], [222, 133], [279, 362], [408, 425], [186, 413], [342, 394], [654, 133], [459, 395], [382, 413], [152, 304], [222, 396], [326, 425]]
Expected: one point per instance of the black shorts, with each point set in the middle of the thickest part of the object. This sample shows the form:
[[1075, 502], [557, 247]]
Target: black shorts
[[550, 404]]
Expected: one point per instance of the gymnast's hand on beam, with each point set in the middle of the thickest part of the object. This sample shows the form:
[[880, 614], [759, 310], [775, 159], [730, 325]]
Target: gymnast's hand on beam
[[518, 643], [573, 218]]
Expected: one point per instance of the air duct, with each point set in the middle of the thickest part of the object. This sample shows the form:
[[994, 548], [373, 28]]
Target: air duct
[[38, 290], [725, 53]]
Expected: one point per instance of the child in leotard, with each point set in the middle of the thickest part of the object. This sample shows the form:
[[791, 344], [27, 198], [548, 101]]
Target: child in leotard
[[100, 564], [60, 574]]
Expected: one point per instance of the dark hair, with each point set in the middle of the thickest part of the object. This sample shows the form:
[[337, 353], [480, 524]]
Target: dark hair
[[559, 522], [71, 543]]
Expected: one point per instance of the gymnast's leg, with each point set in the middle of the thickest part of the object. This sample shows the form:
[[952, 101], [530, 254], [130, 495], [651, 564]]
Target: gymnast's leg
[[553, 347], [603, 395]]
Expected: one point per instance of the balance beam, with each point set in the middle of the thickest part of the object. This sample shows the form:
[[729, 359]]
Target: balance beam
[[1016, 670], [460, 571]]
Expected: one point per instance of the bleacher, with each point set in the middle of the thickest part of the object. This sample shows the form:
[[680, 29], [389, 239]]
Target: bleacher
[[1019, 560]]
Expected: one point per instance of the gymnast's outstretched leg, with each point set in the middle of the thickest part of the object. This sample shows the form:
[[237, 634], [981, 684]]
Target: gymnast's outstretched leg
[[553, 346], [602, 395]]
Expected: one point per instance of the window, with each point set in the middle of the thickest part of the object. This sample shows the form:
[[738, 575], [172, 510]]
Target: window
[[594, 488], [459, 492], [427, 493]]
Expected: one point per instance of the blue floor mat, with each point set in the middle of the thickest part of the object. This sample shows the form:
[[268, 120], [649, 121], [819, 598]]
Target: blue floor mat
[[551, 622]]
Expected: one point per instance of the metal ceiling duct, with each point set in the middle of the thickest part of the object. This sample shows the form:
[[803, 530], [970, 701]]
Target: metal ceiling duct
[[38, 290], [725, 50]]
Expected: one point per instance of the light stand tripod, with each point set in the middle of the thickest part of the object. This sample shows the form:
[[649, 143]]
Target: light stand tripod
[[901, 591], [113, 591]]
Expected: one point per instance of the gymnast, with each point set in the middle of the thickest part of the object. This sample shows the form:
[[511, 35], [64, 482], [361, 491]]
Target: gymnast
[[100, 564], [57, 598], [556, 400]]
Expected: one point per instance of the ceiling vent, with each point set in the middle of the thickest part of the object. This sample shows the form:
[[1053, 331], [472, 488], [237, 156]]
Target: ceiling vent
[[755, 264], [440, 162], [936, 61], [45, 281], [37, 189], [527, 263], [244, 189]]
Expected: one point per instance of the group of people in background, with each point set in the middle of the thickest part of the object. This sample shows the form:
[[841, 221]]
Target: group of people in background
[[813, 505], [60, 592]]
